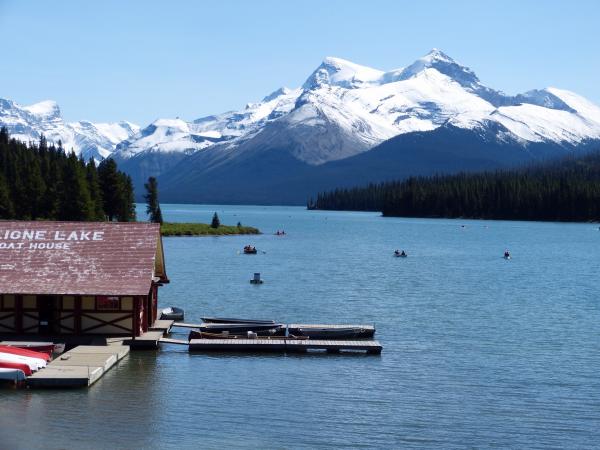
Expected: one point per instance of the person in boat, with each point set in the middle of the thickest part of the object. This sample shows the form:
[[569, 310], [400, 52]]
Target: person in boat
[[403, 253], [397, 252], [506, 254]]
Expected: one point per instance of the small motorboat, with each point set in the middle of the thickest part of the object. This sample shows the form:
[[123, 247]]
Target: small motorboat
[[171, 313], [332, 333], [401, 254], [233, 320], [44, 347], [240, 328], [250, 250]]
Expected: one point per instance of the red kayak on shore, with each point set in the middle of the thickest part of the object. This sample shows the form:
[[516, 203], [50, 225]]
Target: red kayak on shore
[[23, 352], [44, 347], [14, 365]]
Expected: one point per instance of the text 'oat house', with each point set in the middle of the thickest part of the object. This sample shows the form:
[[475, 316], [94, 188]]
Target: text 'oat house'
[[79, 278]]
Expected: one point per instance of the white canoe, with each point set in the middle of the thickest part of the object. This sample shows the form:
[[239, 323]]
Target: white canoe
[[12, 375], [33, 363]]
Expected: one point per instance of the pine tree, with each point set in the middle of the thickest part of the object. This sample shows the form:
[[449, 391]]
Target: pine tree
[[6, 209], [75, 202], [152, 204], [125, 208], [93, 181], [216, 223], [110, 185]]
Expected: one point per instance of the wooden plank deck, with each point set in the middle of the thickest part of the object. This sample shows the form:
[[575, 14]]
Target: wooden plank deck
[[162, 325], [148, 340], [80, 367], [282, 345]]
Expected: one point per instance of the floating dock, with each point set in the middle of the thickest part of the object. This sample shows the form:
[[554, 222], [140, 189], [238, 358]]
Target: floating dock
[[150, 339], [282, 345], [80, 367], [368, 331]]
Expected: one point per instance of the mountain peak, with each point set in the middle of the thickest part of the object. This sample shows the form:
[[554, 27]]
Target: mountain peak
[[277, 93], [46, 110], [335, 71], [435, 54]]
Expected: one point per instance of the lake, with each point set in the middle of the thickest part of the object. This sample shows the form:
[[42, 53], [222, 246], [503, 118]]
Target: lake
[[478, 351]]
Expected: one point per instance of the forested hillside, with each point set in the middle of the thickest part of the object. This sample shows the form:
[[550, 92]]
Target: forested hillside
[[41, 181], [568, 190]]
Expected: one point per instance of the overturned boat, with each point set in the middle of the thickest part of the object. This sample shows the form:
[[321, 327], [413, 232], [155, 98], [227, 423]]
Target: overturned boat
[[240, 328], [234, 320]]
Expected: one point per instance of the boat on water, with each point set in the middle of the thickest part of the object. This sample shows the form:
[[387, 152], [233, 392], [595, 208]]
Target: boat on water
[[195, 334], [240, 328], [234, 320], [332, 333], [399, 254], [172, 313], [44, 347], [250, 250]]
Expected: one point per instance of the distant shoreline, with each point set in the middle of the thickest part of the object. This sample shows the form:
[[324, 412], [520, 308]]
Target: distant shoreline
[[204, 229]]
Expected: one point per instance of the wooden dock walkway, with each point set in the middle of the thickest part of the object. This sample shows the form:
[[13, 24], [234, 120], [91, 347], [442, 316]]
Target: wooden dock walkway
[[149, 340], [282, 345], [80, 367]]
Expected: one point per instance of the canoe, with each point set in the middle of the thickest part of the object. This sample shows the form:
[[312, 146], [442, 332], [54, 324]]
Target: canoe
[[25, 352], [203, 335], [13, 365], [33, 363], [233, 320], [15, 375], [237, 328], [332, 333], [172, 313], [43, 347]]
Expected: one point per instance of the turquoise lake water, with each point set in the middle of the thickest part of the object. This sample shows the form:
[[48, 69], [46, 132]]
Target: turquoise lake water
[[478, 351]]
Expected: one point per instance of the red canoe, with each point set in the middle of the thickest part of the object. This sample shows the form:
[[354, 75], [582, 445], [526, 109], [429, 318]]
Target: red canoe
[[44, 347], [23, 352], [13, 365]]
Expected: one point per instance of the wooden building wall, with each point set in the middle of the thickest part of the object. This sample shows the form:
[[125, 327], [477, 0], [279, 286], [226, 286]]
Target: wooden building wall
[[70, 314]]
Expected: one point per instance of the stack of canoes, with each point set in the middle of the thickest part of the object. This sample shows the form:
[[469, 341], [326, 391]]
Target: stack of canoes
[[233, 328], [17, 363]]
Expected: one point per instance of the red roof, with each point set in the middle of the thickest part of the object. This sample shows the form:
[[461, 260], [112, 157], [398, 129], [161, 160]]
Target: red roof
[[79, 258]]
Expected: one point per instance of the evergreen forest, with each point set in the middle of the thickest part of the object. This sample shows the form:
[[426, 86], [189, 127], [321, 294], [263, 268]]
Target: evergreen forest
[[41, 181], [564, 190]]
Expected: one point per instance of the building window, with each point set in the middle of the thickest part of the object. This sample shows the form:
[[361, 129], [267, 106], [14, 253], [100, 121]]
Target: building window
[[107, 303]]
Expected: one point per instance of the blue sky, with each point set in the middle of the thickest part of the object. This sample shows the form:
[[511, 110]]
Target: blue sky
[[127, 60]]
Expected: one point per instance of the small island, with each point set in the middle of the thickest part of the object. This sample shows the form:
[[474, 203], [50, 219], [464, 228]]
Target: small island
[[204, 229]]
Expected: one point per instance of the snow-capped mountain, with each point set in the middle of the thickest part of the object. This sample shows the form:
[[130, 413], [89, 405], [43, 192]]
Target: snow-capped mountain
[[344, 109], [346, 123], [92, 140]]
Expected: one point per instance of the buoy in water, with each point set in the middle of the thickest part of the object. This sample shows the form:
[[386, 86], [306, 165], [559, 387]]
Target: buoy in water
[[256, 279]]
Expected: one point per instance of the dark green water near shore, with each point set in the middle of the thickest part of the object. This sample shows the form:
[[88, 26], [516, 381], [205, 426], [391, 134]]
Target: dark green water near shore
[[478, 351]]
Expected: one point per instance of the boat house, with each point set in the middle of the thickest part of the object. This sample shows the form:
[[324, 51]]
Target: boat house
[[79, 278]]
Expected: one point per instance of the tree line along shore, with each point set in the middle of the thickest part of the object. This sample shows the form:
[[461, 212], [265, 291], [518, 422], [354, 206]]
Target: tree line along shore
[[564, 190], [42, 181]]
